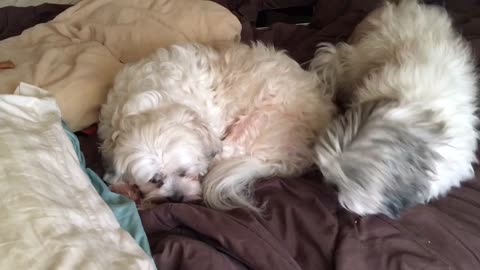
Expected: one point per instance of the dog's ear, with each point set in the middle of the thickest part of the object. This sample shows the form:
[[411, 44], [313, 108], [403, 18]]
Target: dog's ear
[[213, 143], [128, 123], [142, 102], [194, 122]]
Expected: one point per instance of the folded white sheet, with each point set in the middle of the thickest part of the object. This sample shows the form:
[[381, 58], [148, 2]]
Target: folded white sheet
[[51, 216]]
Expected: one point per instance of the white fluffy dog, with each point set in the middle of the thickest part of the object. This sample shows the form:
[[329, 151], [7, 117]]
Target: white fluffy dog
[[409, 134], [235, 111]]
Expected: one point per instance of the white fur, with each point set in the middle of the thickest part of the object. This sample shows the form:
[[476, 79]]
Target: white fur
[[251, 107], [410, 53]]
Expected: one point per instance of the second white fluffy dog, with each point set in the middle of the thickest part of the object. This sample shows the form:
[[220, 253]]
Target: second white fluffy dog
[[409, 135], [235, 111]]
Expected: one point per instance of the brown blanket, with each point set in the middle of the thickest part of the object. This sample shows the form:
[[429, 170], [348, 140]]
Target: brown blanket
[[303, 226]]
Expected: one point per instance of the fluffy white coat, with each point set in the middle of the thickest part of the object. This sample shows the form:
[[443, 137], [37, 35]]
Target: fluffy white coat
[[409, 136], [234, 111]]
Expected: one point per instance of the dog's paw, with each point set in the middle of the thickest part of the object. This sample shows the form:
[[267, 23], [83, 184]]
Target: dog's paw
[[325, 55], [323, 47], [326, 65]]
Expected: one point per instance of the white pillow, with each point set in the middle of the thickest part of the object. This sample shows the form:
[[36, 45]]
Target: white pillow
[[51, 217]]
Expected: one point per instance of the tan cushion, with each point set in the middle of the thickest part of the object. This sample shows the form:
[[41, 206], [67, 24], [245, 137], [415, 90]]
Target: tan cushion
[[77, 55]]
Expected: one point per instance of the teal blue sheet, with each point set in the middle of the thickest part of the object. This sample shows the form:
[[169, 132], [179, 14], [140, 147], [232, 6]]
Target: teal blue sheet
[[123, 208]]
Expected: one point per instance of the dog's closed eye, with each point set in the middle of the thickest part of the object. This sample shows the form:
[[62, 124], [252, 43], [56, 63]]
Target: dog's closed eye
[[182, 173], [157, 179]]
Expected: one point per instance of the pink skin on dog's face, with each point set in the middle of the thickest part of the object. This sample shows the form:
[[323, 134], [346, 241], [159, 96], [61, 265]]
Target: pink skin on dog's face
[[153, 193], [130, 191], [173, 189]]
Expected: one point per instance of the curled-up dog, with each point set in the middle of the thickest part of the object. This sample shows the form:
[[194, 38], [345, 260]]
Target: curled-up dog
[[409, 133], [204, 122]]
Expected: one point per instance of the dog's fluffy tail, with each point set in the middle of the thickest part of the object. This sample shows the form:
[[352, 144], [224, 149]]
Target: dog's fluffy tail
[[381, 155], [229, 184]]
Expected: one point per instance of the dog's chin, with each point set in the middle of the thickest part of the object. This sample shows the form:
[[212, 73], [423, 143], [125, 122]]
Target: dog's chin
[[173, 189], [158, 196], [153, 199], [145, 201]]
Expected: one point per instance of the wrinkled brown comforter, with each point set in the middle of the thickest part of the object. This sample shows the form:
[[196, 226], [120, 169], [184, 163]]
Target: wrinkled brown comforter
[[303, 226]]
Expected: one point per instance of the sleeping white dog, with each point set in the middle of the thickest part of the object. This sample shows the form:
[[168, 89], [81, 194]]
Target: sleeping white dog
[[234, 111], [409, 135]]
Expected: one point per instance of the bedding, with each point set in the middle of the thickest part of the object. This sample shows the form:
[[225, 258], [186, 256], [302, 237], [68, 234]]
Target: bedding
[[303, 226], [52, 217], [124, 210], [28, 3], [76, 55]]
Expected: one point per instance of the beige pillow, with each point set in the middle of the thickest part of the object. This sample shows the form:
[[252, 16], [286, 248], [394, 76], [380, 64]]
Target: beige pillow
[[77, 55]]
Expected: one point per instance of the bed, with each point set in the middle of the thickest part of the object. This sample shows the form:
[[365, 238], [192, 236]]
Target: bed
[[303, 226]]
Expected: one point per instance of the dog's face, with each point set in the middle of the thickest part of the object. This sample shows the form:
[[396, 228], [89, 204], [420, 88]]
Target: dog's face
[[164, 156]]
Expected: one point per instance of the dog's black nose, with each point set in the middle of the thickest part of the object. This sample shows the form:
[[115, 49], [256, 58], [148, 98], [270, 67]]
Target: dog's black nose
[[177, 197]]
